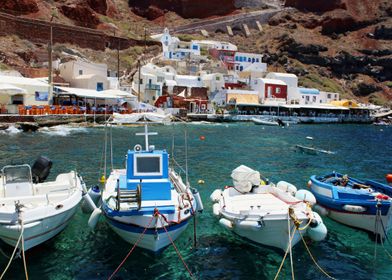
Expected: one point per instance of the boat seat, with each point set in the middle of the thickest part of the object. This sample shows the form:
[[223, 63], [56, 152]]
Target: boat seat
[[18, 189]]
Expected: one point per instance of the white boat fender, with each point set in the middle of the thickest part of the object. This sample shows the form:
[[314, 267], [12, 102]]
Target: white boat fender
[[287, 187], [95, 194], [317, 231], [216, 195], [306, 196], [88, 204], [321, 210], [94, 218], [249, 225], [354, 208], [226, 223], [216, 209], [199, 202]]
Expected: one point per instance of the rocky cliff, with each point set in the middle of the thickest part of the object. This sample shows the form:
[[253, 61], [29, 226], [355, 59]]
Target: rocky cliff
[[185, 8], [335, 45]]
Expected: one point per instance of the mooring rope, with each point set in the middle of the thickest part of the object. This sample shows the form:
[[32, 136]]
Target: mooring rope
[[386, 237], [175, 248], [284, 257], [24, 256], [313, 259], [290, 246], [133, 247], [376, 230], [13, 253]]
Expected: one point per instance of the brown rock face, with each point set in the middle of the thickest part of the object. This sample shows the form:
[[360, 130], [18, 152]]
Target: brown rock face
[[99, 6], [82, 15], [185, 8], [338, 21], [20, 7], [315, 6]]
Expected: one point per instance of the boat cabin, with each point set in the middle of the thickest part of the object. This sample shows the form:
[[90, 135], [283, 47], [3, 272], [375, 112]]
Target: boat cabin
[[150, 171]]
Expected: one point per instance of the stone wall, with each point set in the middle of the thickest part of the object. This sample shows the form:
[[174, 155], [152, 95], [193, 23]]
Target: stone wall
[[38, 31]]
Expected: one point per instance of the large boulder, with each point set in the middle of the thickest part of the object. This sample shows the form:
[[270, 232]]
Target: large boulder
[[20, 7]]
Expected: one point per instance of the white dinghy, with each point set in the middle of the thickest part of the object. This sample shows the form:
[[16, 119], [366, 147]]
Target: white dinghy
[[265, 213], [34, 210]]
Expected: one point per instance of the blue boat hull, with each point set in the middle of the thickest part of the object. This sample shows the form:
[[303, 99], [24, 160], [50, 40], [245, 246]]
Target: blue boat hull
[[362, 204], [154, 239]]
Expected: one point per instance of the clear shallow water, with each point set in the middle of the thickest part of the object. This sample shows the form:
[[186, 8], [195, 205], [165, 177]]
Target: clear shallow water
[[77, 253]]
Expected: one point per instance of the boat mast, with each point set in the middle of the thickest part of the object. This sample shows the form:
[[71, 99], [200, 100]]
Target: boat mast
[[146, 134]]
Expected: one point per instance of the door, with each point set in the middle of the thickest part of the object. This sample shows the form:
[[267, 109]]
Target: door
[[99, 86]]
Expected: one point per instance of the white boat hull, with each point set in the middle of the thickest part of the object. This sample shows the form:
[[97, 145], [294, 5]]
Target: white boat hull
[[363, 221], [153, 240], [274, 233], [44, 213], [36, 232]]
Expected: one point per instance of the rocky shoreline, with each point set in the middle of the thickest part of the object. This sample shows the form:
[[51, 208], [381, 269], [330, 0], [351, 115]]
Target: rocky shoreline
[[33, 123]]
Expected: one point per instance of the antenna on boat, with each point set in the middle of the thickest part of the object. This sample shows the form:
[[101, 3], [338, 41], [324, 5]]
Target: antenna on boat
[[146, 134]]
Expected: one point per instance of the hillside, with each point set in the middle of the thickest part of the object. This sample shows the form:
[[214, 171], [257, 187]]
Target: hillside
[[337, 45]]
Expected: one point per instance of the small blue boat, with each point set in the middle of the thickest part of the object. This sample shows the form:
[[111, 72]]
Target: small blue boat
[[363, 204], [147, 203]]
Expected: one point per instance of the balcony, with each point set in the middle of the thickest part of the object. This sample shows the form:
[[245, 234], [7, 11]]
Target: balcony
[[153, 87]]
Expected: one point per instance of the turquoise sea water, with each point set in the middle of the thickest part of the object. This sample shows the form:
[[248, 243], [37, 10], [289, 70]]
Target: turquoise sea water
[[363, 151]]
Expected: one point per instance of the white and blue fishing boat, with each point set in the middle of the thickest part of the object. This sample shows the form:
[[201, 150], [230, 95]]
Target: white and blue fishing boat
[[363, 204], [147, 203]]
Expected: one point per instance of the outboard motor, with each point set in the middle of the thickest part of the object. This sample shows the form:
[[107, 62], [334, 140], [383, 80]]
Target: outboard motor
[[41, 169], [280, 122]]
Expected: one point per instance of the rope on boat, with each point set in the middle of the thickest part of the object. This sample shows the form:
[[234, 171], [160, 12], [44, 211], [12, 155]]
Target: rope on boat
[[297, 223], [133, 247], [290, 247], [285, 255], [13, 254], [376, 228], [386, 237], [313, 259], [24, 256], [175, 247]]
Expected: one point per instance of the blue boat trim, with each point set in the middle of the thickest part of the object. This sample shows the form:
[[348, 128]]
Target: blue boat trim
[[137, 229], [335, 197], [143, 211]]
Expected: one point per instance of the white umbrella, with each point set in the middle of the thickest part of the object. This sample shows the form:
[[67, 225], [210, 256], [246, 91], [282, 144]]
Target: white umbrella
[[11, 89]]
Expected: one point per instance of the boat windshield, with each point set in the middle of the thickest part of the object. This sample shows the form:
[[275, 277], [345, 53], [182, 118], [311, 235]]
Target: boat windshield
[[148, 165], [17, 174]]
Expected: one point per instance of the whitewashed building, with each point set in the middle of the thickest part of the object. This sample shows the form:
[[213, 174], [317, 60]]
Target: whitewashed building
[[83, 74], [152, 80], [249, 62], [174, 49], [312, 96], [218, 45], [213, 82], [16, 91]]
